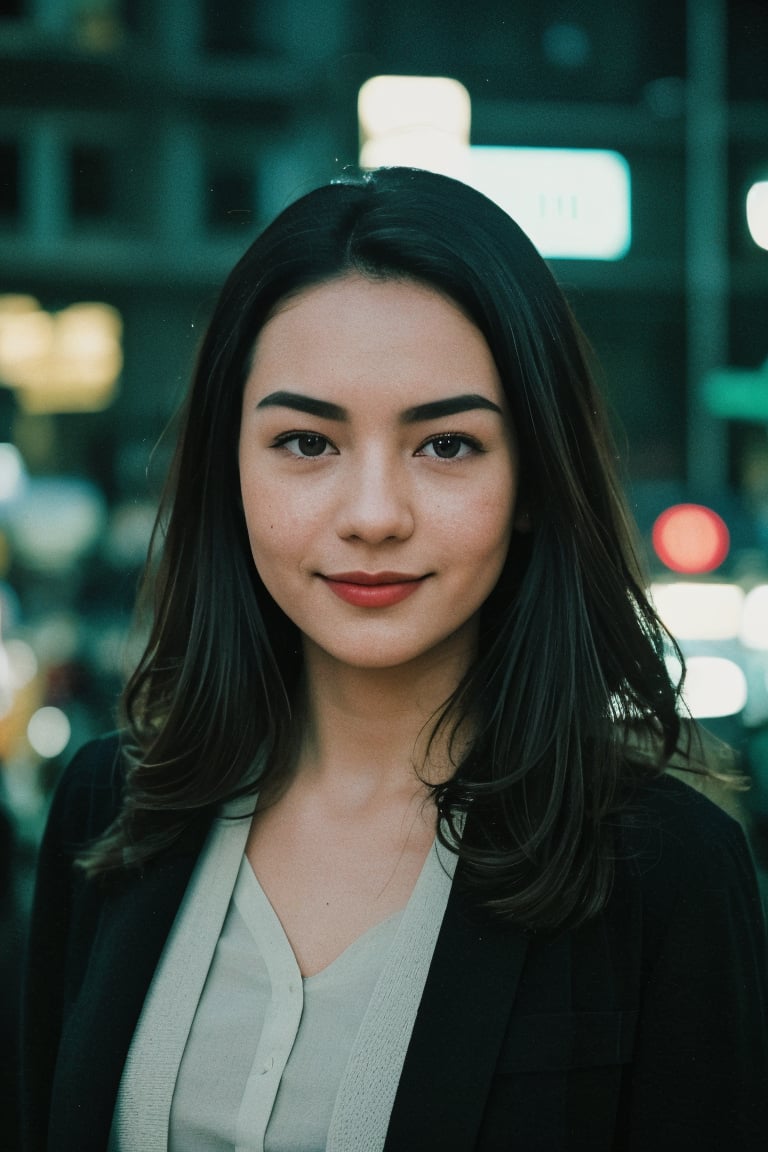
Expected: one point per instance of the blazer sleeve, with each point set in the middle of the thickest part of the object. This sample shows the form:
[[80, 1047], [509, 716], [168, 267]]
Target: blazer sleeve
[[84, 804], [700, 1074]]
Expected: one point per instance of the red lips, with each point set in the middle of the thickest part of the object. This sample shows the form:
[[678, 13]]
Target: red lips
[[373, 589]]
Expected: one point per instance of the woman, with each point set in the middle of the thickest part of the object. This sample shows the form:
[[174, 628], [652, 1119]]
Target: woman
[[385, 855]]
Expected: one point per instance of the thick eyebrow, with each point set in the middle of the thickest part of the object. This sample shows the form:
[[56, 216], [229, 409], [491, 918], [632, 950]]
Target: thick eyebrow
[[452, 405], [434, 410], [308, 404]]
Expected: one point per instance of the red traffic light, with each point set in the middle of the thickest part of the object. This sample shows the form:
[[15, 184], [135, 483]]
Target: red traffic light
[[690, 538]]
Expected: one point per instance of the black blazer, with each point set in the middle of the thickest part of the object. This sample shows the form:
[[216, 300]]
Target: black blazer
[[643, 1031]]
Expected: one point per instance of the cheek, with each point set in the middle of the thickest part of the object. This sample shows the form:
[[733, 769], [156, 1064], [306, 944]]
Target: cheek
[[280, 535], [262, 521], [270, 545], [489, 528]]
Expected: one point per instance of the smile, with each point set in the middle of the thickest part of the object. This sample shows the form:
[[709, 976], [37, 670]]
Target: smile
[[373, 590]]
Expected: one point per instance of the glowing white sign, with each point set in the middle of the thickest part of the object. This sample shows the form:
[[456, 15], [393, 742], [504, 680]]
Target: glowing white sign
[[757, 213], [574, 203]]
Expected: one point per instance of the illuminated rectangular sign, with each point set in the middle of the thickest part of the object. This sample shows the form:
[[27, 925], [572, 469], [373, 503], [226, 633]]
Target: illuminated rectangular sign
[[573, 203]]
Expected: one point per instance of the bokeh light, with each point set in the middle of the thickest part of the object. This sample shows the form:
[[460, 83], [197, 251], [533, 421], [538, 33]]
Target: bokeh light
[[699, 611], [48, 732], [690, 538], [714, 687], [754, 620], [418, 121]]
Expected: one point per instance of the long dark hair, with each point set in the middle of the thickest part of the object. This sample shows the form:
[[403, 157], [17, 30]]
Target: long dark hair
[[571, 656]]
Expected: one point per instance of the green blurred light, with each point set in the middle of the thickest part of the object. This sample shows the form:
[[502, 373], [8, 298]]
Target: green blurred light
[[734, 394]]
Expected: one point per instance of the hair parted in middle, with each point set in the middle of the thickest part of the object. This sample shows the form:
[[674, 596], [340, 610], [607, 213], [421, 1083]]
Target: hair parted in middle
[[571, 654]]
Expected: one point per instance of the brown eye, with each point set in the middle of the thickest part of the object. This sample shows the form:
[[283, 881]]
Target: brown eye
[[306, 445], [311, 445], [448, 447]]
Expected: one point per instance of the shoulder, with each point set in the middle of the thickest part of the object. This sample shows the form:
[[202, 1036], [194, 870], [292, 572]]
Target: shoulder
[[686, 854], [94, 764], [88, 794], [665, 816]]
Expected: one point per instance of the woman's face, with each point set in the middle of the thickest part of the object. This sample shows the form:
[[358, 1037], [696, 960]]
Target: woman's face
[[378, 471]]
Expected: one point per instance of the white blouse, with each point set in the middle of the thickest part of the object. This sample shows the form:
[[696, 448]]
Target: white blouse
[[267, 1048], [235, 1052]]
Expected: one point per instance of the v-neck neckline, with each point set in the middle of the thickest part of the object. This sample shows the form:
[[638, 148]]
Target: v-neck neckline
[[262, 920]]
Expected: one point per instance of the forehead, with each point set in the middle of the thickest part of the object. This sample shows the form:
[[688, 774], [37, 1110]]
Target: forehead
[[387, 331]]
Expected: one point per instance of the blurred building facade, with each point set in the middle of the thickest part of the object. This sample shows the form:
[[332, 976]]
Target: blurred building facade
[[142, 145]]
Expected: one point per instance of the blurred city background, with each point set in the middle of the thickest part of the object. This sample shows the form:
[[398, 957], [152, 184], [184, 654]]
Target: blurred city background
[[143, 145]]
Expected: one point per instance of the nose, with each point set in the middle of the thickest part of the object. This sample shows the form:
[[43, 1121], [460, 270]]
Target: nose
[[376, 503]]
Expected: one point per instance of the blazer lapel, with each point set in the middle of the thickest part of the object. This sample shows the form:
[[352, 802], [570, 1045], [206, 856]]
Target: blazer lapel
[[458, 1032], [135, 920]]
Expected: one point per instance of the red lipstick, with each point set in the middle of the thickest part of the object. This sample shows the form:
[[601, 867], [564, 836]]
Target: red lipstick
[[373, 589]]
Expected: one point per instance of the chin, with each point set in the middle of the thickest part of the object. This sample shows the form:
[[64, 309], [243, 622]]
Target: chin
[[458, 647]]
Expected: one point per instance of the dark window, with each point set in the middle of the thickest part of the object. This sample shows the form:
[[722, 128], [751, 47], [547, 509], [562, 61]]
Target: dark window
[[231, 28], [11, 9], [133, 14], [747, 41], [229, 198], [9, 180], [91, 182]]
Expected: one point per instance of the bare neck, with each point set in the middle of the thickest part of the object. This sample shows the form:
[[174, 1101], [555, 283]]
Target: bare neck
[[368, 730]]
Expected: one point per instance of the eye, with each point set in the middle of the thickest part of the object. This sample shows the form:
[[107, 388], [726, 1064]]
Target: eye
[[305, 444], [449, 446]]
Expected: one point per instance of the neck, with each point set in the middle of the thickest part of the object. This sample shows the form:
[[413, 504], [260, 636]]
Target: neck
[[370, 729]]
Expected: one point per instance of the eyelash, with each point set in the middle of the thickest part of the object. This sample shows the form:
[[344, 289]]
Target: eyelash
[[285, 438]]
